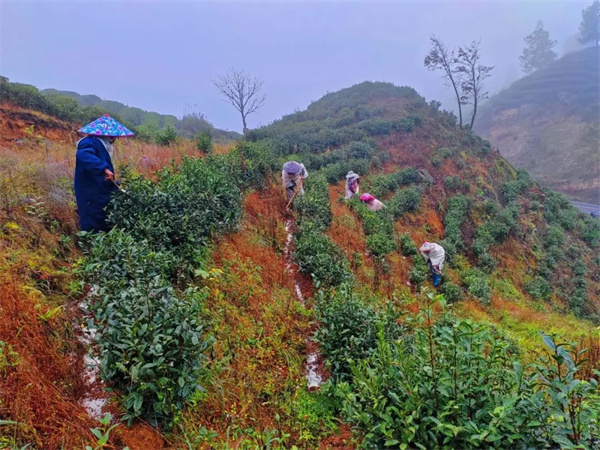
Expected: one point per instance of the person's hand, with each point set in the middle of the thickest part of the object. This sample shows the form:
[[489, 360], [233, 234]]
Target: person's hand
[[109, 175]]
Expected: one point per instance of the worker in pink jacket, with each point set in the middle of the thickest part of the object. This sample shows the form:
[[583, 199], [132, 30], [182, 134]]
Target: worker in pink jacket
[[371, 202]]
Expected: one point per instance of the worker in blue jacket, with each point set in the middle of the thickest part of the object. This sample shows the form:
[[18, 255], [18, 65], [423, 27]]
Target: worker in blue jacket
[[94, 171]]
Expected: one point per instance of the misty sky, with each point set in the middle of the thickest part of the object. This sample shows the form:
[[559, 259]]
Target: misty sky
[[162, 56]]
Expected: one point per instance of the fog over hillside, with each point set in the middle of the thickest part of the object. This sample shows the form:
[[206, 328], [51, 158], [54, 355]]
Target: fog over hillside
[[163, 56]]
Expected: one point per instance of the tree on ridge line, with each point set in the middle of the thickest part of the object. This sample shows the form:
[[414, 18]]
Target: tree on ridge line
[[242, 90], [538, 51]]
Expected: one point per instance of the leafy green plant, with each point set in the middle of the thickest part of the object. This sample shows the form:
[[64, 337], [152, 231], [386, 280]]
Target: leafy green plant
[[188, 205], [166, 136], [407, 245], [456, 214], [103, 433], [405, 200], [379, 244], [477, 285], [454, 383], [151, 338], [382, 185], [539, 288], [314, 207], [452, 293], [419, 273], [348, 329], [204, 142], [317, 255], [574, 404]]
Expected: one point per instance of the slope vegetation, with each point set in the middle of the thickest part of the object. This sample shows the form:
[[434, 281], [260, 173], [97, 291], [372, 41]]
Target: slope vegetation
[[548, 123], [212, 303], [81, 109]]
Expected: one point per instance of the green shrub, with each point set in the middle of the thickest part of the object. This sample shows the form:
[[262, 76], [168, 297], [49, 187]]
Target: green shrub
[[360, 150], [539, 288], [317, 255], [407, 245], [458, 384], [204, 142], [336, 172], [380, 244], [382, 185], [419, 273], [348, 329], [452, 183], [405, 200], [150, 338], [456, 214], [314, 206], [452, 293], [407, 124], [477, 285], [590, 231], [555, 236], [166, 136], [490, 207], [559, 210], [376, 127], [580, 269], [181, 211], [487, 263]]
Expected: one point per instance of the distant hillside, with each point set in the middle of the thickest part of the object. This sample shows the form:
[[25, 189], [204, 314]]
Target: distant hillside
[[80, 109], [549, 123]]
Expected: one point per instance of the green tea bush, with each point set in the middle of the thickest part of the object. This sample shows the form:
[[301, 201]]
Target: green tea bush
[[539, 288], [204, 142], [181, 211], [590, 231], [348, 329], [477, 285], [407, 124], [555, 236], [403, 201], [151, 339], [459, 384], [336, 172], [380, 244], [559, 210], [381, 185], [247, 165], [166, 136], [419, 272], [452, 183], [376, 127], [452, 293], [317, 255], [456, 214], [407, 245], [580, 269], [378, 226], [314, 207], [487, 263]]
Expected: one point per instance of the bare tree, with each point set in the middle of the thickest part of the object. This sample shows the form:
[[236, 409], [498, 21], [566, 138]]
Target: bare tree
[[242, 90], [440, 58], [472, 76]]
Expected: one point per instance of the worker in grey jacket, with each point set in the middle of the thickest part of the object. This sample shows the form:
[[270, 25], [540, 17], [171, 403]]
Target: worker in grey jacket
[[293, 175]]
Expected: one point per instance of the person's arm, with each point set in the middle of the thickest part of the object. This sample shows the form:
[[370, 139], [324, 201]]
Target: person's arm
[[303, 172], [87, 159]]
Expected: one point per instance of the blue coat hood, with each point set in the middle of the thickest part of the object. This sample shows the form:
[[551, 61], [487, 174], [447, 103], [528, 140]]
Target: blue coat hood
[[92, 191]]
